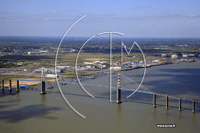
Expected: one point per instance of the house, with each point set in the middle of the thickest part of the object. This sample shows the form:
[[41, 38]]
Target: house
[[174, 56]]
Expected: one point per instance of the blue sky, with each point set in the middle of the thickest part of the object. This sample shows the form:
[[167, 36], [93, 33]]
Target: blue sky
[[134, 18]]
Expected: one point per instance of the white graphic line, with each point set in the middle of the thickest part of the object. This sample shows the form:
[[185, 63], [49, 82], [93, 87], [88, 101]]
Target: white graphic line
[[56, 70]]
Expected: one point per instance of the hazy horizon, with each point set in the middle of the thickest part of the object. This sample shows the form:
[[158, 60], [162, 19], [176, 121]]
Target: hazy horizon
[[108, 36]]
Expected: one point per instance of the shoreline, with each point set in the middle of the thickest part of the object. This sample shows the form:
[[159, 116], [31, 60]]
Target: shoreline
[[81, 78]]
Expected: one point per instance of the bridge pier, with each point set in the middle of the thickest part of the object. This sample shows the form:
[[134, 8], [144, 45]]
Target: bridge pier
[[180, 104], [154, 100], [43, 88], [2, 87], [193, 106], [119, 96], [10, 86], [167, 99], [17, 86]]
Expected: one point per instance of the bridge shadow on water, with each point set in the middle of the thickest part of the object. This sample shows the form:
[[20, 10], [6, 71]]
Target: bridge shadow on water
[[27, 112], [6, 92]]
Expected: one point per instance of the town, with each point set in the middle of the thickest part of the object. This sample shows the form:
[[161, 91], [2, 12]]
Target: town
[[26, 56]]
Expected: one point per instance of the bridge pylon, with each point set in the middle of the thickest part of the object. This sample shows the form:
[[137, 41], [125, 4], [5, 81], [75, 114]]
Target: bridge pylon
[[119, 89], [43, 82]]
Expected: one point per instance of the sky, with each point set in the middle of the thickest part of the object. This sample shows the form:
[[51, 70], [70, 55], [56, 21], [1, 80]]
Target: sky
[[133, 18]]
